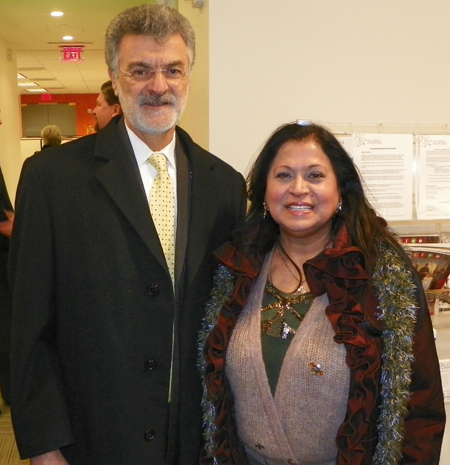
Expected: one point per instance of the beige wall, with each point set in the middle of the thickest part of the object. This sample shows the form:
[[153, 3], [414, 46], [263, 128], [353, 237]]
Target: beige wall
[[352, 61], [10, 158], [196, 117], [261, 63]]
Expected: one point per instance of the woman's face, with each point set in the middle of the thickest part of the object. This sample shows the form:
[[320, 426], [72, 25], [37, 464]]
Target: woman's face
[[302, 190]]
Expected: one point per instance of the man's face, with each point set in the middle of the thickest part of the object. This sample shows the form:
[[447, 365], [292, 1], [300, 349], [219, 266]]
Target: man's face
[[151, 101], [103, 112]]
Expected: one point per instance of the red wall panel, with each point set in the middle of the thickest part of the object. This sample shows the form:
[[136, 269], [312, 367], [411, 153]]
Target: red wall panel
[[83, 103]]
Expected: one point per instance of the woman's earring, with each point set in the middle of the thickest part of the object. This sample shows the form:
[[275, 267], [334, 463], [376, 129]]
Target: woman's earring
[[338, 208], [266, 210]]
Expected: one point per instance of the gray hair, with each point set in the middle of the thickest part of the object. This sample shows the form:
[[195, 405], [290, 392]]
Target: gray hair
[[51, 135], [158, 22]]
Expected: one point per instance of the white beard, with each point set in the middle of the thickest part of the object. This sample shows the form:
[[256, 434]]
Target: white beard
[[152, 123]]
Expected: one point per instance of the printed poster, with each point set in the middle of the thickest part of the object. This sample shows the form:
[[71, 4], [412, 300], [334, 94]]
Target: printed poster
[[433, 201], [385, 162]]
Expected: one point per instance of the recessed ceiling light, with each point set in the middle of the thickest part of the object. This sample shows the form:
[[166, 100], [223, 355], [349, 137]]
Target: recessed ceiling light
[[68, 38], [20, 76], [27, 84], [56, 13], [36, 90]]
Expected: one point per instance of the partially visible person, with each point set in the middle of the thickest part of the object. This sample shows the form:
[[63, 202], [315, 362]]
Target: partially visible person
[[317, 346], [106, 314], [6, 226], [439, 278], [424, 271], [51, 136], [107, 107]]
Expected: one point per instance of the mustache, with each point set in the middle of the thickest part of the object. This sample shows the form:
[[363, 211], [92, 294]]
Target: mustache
[[155, 99]]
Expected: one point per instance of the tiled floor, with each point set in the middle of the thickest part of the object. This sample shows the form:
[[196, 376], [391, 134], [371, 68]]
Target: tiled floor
[[8, 449]]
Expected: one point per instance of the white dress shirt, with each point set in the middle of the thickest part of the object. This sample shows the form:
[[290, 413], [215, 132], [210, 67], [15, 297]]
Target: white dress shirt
[[142, 152]]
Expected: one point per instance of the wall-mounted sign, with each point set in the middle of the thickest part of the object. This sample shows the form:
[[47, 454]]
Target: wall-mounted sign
[[72, 53], [46, 97]]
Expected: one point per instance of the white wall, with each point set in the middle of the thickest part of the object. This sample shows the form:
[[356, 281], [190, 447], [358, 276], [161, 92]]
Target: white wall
[[361, 62]]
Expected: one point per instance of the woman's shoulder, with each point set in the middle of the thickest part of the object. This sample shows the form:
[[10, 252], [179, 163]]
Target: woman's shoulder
[[239, 259]]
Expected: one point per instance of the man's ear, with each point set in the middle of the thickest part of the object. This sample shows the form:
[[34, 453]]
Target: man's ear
[[112, 76], [117, 109]]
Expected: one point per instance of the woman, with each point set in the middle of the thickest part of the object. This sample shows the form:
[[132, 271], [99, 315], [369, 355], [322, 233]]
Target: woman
[[317, 346]]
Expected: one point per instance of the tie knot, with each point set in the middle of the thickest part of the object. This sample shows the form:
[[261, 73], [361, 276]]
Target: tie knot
[[159, 161]]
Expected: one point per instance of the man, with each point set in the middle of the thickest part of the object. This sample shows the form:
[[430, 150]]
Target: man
[[107, 107], [6, 225], [104, 328]]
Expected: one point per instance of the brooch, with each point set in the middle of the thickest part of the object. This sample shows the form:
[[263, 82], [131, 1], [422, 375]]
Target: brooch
[[315, 369]]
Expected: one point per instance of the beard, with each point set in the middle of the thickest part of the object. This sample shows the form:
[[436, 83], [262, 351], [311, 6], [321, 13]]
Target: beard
[[156, 121]]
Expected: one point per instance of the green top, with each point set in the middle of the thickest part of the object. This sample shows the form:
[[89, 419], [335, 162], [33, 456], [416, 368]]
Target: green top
[[281, 315]]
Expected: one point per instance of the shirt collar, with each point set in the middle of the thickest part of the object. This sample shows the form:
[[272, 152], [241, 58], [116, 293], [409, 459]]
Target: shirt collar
[[142, 151]]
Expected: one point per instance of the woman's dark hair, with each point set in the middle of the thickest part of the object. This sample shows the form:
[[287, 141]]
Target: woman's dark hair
[[259, 233]]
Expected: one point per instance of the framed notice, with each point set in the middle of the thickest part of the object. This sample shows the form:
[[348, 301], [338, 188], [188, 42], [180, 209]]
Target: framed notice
[[433, 177], [385, 162]]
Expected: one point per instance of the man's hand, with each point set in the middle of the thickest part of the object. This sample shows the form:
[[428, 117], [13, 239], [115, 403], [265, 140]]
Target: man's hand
[[7, 225], [50, 458]]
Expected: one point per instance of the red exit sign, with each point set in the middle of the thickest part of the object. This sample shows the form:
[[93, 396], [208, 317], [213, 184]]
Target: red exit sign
[[72, 53]]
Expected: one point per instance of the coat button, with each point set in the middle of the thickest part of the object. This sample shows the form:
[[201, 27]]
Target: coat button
[[150, 434], [152, 289], [291, 462], [150, 364]]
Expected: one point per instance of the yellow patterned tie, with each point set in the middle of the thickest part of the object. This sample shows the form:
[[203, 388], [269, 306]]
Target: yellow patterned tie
[[162, 208]]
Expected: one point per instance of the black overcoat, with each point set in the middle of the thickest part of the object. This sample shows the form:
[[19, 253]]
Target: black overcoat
[[94, 307]]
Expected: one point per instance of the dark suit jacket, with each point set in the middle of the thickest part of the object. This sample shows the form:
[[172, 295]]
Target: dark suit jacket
[[94, 306], [5, 295]]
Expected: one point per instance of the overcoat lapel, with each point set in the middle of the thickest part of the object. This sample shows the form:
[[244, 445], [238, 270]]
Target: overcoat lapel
[[120, 179], [202, 199], [183, 201]]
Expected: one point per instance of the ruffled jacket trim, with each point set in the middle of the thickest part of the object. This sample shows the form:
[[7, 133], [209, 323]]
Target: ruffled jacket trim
[[373, 428]]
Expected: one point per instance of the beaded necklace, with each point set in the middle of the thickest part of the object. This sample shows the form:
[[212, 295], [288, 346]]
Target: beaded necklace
[[276, 325]]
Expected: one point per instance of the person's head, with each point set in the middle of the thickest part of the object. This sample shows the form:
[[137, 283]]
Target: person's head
[[328, 188], [51, 135], [150, 51], [107, 107], [302, 193]]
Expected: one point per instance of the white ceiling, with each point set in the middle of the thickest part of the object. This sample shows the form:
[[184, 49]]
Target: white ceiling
[[35, 38]]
